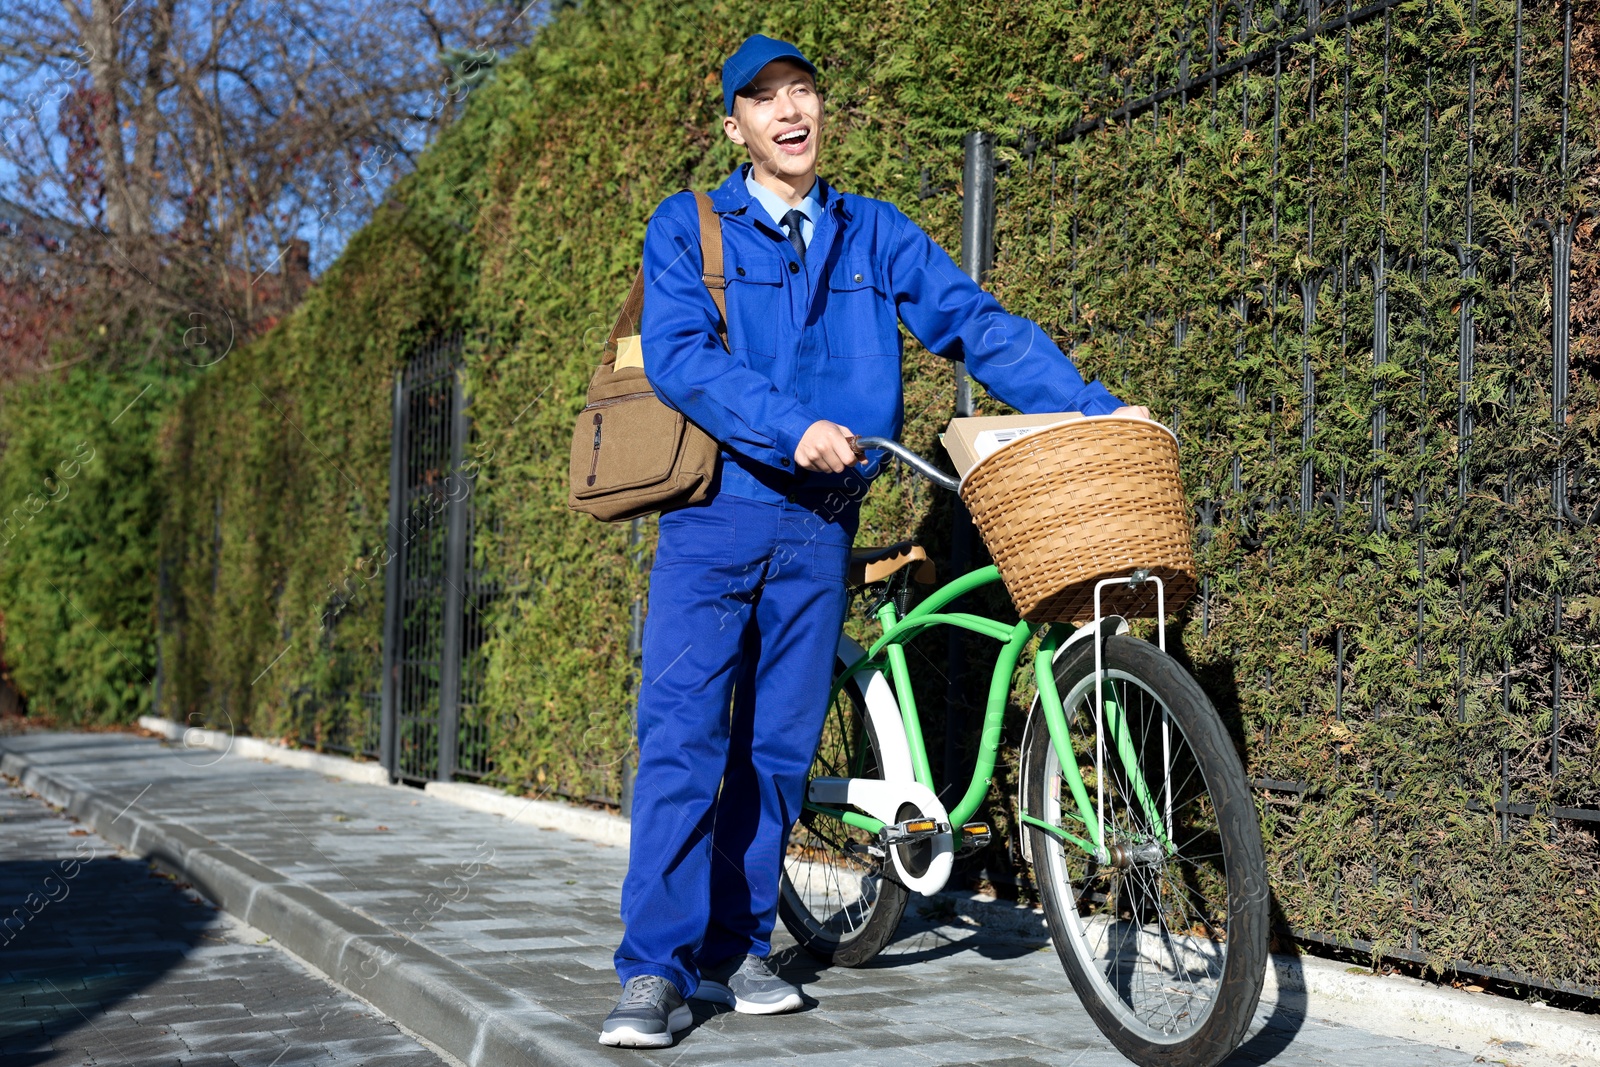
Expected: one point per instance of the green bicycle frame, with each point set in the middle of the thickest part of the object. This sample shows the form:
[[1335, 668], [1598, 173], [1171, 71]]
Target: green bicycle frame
[[888, 655], [1122, 740]]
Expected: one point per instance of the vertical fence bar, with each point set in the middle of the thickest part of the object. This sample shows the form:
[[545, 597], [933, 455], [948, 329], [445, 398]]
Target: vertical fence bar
[[1344, 352], [1566, 91], [1338, 669], [1380, 302], [1420, 492], [1052, 205], [1516, 117], [457, 491], [1560, 324], [977, 232], [977, 254], [1561, 236], [163, 602], [393, 579], [1309, 289], [1509, 492], [1073, 259], [1469, 270], [1241, 303], [1380, 488], [1467, 256]]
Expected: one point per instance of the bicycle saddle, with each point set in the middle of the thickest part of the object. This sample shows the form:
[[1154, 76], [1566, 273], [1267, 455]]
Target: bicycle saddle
[[876, 564]]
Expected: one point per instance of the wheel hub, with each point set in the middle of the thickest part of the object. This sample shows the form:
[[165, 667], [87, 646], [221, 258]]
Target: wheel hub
[[1125, 854]]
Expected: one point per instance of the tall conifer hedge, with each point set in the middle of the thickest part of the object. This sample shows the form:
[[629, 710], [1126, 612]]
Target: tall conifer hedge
[[1212, 257]]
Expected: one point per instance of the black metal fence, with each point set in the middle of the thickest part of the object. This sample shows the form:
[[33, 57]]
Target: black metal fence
[[476, 733], [420, 710], [1459, 205], [422, 623], [1350, 302]]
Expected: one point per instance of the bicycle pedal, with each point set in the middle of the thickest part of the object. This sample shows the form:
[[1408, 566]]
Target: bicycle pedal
[[912, 830], [975, 835]]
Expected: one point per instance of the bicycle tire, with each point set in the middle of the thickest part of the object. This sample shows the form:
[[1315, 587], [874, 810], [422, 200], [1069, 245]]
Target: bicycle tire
[[839, 925], [1120, 934]]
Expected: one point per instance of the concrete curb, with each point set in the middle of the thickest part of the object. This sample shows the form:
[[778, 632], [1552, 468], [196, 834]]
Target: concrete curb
[[547, 814], [273, 751], [1394, 1005], [474, 1019], [1322, 988], [1406, 1006]]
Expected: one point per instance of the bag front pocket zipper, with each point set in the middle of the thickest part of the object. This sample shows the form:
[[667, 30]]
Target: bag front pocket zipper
[[594, 462], [608, 401], [594, 458]]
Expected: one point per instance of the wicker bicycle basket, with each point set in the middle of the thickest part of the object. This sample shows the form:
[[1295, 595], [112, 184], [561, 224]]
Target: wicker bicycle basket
[[1089, 499]]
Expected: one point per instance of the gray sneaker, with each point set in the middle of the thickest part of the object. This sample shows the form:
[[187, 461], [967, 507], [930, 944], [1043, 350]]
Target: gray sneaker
[[748, 985], [650, 1012]]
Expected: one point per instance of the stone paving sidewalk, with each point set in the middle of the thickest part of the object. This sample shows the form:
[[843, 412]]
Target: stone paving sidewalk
[[536, 911], [115, 963]]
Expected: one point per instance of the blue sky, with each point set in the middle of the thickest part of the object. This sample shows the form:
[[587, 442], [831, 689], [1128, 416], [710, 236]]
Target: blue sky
[[330, 203]]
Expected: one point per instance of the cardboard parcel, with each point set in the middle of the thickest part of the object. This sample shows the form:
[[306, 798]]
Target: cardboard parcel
[[972, 439]]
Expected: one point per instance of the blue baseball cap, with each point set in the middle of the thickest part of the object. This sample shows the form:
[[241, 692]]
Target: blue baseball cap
[[756, 52]]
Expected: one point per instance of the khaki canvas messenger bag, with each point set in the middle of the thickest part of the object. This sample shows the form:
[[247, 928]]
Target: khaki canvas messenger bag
[[632, 454]]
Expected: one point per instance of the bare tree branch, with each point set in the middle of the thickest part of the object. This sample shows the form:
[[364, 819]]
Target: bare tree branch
[[189, 142]]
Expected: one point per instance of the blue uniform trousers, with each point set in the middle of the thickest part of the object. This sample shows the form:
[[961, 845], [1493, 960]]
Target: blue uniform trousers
[[746, 601]]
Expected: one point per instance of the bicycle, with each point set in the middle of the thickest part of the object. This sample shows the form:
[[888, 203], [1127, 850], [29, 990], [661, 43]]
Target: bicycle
[[1139, 822]]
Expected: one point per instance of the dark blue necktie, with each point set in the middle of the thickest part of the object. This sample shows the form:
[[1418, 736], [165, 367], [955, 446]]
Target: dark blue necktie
[[793, 220]]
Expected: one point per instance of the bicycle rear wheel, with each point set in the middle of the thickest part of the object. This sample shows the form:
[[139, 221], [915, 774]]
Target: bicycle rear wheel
[[838, 896], [1165, 941]]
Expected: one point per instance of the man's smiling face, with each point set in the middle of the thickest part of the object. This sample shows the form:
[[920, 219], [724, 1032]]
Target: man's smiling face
[[778, 119]]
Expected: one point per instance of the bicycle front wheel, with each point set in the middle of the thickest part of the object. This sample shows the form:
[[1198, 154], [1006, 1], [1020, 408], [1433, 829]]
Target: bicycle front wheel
[[838, 896], [1164, 937]]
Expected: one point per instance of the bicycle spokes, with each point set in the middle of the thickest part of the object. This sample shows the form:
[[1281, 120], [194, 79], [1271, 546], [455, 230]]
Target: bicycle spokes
[[1150, 906]]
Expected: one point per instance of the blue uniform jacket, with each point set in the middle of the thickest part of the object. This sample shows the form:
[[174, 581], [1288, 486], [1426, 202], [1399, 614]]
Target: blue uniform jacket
[[821, 340]]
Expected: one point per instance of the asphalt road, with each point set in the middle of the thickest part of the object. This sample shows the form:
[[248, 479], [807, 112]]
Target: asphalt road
[[106, 960]]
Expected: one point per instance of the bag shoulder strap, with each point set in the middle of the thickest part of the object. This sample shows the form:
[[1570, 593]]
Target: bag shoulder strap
[[630, 318], [711, 253]]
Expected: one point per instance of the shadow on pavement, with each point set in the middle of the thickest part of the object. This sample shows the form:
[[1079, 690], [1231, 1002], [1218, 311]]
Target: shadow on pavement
[[77, 937], [922, 931], [1269, 1039], [915, 942], [1288, 1014], [1278, 1032]]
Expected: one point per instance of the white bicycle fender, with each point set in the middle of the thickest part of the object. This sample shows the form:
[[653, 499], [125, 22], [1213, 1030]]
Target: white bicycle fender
[[884, 711], [882, 800], [895, 755]]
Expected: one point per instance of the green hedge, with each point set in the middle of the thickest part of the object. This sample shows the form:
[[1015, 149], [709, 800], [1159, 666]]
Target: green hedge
[[278, 463], [1381, 668], [80, 482], [523, 227]]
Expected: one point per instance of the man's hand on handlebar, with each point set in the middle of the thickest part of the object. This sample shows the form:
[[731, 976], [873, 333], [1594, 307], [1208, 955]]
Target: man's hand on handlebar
[[827, 448]]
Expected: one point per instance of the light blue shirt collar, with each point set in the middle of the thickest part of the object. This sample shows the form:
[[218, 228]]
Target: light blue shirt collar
[[776, 209]]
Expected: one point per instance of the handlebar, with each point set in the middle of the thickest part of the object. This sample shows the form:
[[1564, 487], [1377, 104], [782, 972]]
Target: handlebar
[[910, 459]]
